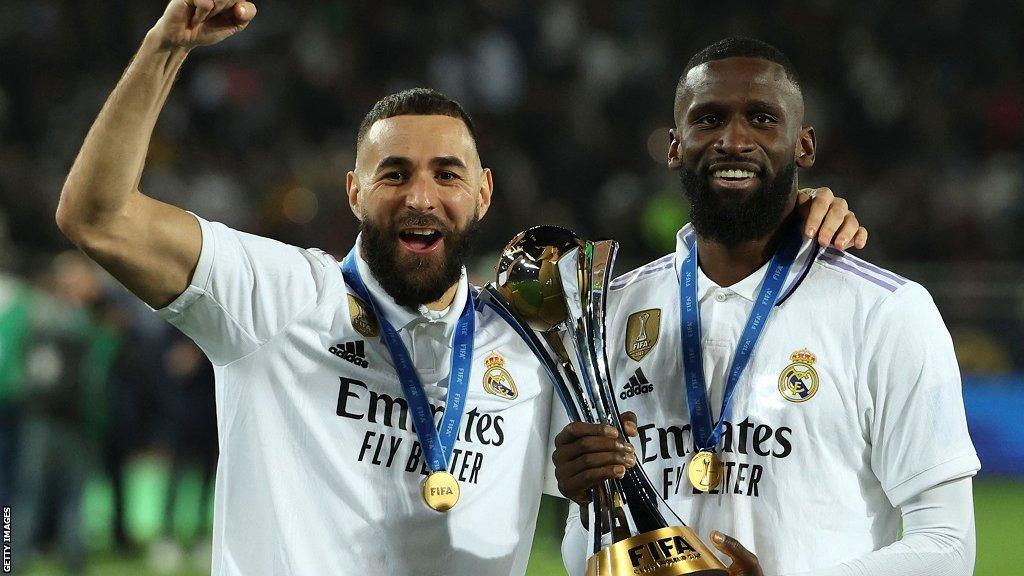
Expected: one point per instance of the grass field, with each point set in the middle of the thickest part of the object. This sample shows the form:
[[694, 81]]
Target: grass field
[[999, 513], [999, 506]]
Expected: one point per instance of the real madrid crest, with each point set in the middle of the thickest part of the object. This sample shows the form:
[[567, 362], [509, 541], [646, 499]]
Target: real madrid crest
[[642, 330], [799, 381], [362, 318], [497, 380]]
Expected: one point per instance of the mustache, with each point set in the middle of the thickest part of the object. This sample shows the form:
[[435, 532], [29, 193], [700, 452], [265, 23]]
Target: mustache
[[706, 168], [412, 219]]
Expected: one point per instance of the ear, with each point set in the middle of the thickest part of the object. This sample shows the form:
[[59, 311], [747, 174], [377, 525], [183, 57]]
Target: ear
[[675, 159], [804, 153], [352, 188], [486, 190]]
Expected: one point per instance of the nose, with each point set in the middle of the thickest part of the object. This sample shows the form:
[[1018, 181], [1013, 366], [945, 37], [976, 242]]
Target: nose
[[421, 194], [736, 139]]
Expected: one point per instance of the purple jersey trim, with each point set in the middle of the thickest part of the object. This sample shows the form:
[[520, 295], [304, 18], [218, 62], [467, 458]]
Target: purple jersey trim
[[845, 264], [899, 280], [663, 263]]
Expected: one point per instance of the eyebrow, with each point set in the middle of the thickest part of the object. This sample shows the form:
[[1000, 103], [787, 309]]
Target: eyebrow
[[447, 162], [403, 162], [702, 108], [758, 105], [393, 162], [772, 107]]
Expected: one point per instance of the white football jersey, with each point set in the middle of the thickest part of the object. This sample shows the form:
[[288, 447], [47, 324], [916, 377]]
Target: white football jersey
[[850, 405], [320, 466]]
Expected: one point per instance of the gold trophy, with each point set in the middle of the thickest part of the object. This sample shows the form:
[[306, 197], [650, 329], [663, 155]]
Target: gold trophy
[[552, 288]]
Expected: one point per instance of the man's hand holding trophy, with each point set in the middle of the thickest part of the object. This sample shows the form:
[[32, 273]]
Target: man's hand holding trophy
[[552, 288]]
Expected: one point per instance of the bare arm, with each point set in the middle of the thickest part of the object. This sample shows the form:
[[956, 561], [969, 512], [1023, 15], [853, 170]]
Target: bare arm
[[149, 246]]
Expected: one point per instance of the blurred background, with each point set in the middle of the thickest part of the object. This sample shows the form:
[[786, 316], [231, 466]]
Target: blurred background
[[107, 425]]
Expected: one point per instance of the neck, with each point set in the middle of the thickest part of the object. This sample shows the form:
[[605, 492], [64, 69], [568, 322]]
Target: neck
[[727, 265], [445, 300]]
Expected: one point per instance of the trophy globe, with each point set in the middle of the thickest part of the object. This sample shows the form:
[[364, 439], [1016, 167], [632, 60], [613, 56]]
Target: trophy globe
[[528, 275]]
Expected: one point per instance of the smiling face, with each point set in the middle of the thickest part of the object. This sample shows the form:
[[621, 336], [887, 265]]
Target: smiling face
[[419, 191], [738, 140]]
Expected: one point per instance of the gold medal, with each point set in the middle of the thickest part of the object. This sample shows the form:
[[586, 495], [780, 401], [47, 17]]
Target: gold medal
[[440, 491], [704, 471]]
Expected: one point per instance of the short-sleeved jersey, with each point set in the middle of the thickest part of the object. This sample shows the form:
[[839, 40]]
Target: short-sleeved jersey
[[320, 465], [850, 404]]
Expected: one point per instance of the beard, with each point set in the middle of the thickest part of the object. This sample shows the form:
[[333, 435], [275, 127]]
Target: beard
[[731, 218], [410, 279]]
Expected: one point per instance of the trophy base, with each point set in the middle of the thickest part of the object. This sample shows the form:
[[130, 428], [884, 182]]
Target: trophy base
[[671, 551]]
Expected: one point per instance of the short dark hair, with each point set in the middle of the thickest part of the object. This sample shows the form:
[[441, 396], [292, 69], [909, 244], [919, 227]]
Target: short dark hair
[[414, 102], [739, 47]]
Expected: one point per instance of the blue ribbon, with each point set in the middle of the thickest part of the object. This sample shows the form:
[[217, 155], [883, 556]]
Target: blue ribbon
[[705, 434], [437, 443]]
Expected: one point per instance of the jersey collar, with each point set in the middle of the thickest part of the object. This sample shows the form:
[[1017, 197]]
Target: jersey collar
[[404, 318], [748, 287]]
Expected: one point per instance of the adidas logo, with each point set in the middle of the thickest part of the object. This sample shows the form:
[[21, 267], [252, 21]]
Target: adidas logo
[[352, 352], [636, 386]]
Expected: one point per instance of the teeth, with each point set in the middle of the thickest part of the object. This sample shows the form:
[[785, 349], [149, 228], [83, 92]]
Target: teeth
[[420, 231], [733, 174]]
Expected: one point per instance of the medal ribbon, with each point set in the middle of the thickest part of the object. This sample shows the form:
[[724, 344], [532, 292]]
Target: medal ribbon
[[437, 443], [706, 435]]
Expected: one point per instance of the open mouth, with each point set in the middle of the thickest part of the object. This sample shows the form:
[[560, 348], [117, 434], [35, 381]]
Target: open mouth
[[420, 240], [734, 178], [734, 175]]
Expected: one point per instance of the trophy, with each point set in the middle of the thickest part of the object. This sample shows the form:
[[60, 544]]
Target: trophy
[[552, 288]]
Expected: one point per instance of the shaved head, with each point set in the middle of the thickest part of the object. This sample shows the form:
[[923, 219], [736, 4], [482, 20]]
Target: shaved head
[[696, 70]]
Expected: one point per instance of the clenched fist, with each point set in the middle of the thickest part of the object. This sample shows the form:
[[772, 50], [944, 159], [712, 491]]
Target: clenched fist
[[190, 23]]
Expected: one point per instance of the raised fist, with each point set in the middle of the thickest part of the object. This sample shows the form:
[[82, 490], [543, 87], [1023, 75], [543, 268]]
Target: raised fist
[[191, 23]]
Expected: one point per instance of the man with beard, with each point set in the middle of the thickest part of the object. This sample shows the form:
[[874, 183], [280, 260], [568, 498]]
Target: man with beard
[[371, 418], [330, 377], [802, 400]]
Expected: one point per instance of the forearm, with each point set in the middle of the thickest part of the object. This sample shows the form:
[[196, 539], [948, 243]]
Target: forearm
[[917, 555], [106, 173], [575, 542], [938, 538]]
